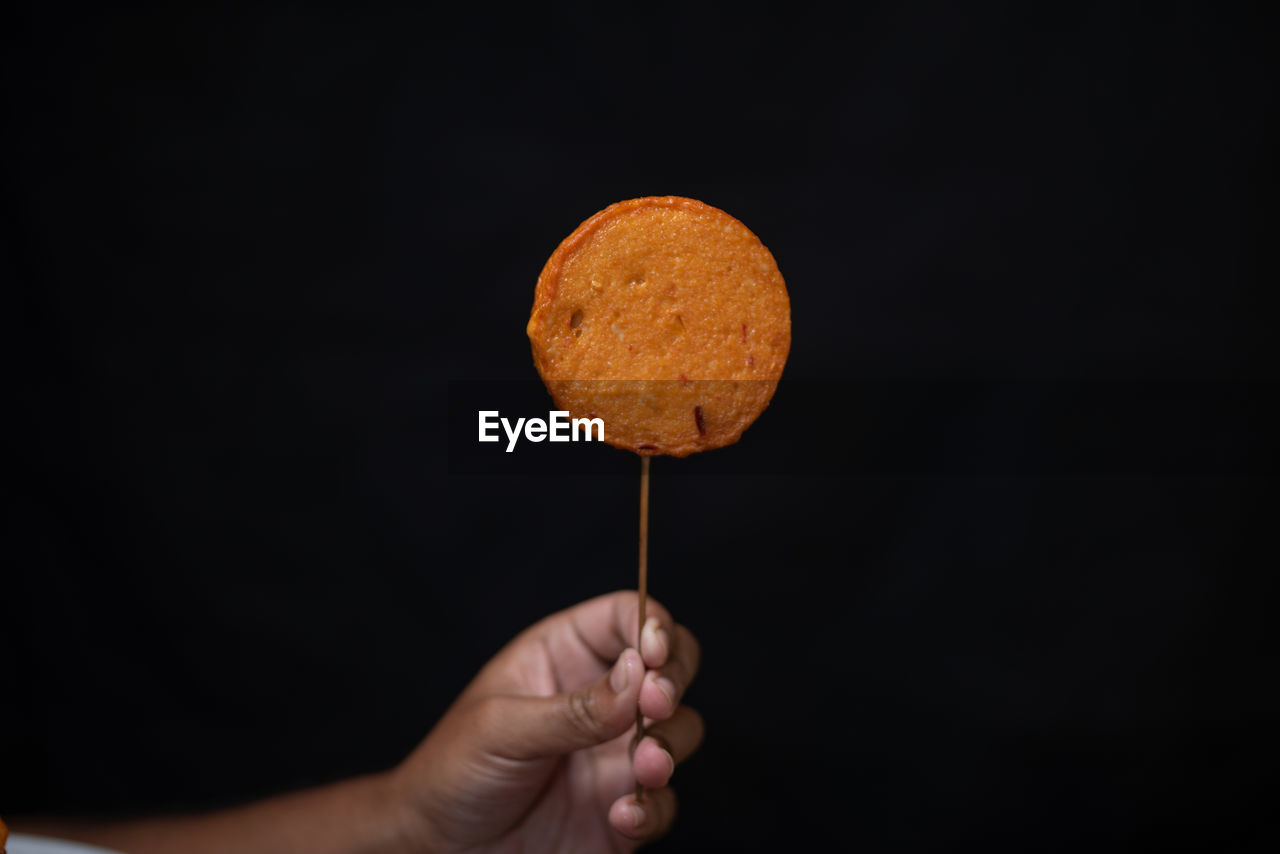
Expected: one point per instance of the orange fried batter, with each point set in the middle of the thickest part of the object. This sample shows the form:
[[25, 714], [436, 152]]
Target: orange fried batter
[[668, 319]]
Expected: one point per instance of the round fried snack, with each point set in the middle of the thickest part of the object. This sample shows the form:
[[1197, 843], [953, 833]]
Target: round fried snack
[[667, 319]]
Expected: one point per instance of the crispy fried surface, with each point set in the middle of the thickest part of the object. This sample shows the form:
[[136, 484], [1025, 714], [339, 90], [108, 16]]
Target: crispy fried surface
[[667, 318]]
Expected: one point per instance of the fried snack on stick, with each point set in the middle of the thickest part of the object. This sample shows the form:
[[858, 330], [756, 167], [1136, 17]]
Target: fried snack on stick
[[666, 318]]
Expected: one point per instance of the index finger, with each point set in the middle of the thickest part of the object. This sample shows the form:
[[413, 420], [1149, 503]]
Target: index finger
[[608, 624]]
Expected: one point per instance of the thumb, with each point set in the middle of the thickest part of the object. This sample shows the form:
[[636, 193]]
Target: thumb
[[540, 727]]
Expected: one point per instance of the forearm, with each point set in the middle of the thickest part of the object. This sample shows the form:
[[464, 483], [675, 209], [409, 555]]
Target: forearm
[[358, 816]]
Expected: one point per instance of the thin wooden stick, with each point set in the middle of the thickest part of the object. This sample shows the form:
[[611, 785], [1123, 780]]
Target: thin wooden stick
[[644, 590]]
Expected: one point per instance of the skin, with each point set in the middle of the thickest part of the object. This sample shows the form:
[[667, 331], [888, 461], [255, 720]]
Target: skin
[[535, 755]]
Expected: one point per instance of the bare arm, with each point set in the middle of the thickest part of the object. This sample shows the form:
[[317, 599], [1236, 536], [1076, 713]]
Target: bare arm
[[536, 755], [358, 816]]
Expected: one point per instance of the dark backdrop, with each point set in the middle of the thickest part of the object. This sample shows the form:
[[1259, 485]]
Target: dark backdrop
[[947, 592]]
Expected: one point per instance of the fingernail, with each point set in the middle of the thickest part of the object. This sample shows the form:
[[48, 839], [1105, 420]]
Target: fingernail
[[649, 634], [637, 815], [668, 689], [650, 626], [620, 676]]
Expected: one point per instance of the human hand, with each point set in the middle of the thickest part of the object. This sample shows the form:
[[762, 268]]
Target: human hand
[[536, 753]]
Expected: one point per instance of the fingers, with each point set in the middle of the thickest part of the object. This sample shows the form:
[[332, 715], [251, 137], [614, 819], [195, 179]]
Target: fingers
[[655, 643], [645, 820], [663, 688], [665, 745], [604, 626], [522, 727], [607, 624]]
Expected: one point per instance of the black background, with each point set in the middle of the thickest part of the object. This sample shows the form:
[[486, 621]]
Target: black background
[[250, 254]]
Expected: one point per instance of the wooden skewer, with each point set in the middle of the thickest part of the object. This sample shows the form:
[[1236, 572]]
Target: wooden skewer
[[644, 590]]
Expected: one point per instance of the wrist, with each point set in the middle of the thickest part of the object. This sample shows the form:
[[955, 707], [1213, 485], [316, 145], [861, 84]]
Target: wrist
[[405, 817], [392, 824]]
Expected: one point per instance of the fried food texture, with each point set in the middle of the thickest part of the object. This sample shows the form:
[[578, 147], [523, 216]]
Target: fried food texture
[[666, 318]]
